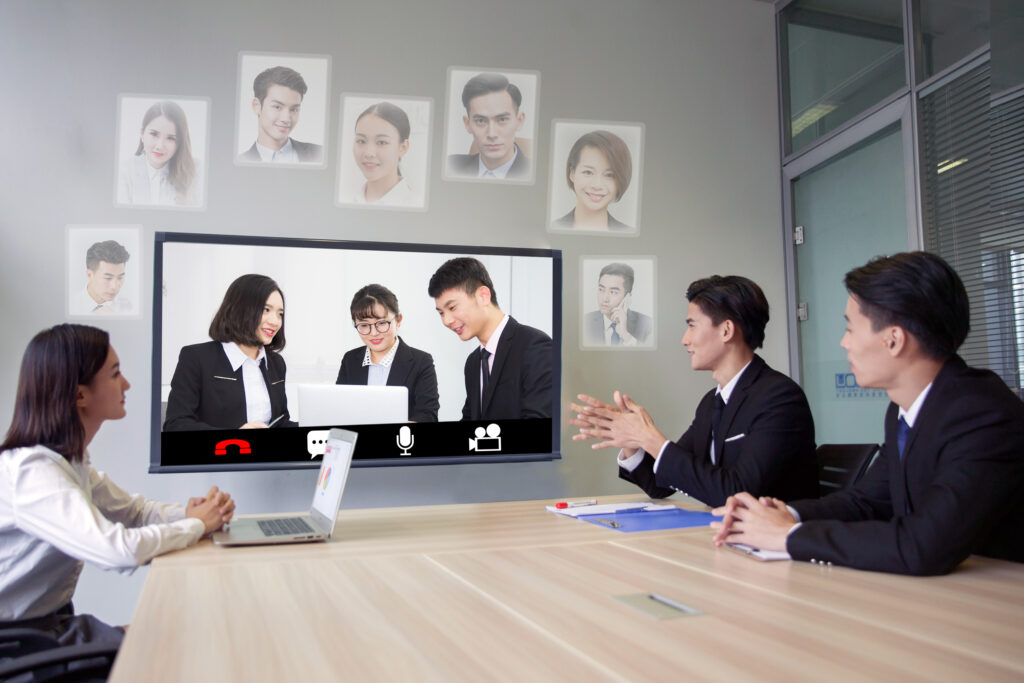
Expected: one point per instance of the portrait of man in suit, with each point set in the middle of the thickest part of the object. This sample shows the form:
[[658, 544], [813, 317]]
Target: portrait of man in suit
[[951, 469], [494, 117], [111, 283], [508, 374], [615, 323], [754, 430], [278, 93]]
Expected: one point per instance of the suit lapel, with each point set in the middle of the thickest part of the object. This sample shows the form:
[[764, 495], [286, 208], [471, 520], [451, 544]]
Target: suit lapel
[[504, 343], [702, 425], [736, 399], [400, 366]]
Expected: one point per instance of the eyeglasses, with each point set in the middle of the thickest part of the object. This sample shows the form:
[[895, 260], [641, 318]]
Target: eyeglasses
[[382, 326]]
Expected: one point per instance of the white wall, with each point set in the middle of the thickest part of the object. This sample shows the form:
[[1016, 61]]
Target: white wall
[[699, 74]]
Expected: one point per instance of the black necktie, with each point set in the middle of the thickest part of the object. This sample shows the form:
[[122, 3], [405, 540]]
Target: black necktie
[[485, 369], [902, 432], [716, 418]]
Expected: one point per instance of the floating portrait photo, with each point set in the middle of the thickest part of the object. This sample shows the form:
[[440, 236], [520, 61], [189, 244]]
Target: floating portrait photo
[[384, 152], [595, 177], [617, 302], [104, 271], [162, 152], [282, 110], [491, 125]]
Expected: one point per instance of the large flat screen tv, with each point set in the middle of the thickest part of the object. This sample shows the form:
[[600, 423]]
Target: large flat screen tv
[[200, 398]]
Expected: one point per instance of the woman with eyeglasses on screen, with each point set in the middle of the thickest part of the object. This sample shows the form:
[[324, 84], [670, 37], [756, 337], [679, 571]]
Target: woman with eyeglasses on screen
[[386, 360], [56, 510]]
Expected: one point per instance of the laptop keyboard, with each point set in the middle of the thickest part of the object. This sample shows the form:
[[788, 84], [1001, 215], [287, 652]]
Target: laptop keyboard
[[283, 527]]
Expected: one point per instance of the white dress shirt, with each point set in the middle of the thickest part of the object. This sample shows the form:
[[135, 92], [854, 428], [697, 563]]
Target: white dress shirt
[[83, 304], [500, 172], [399, 195], [54, 515], [285, 155], [257, 397], [631, 462], [377, 374], [622, 331]]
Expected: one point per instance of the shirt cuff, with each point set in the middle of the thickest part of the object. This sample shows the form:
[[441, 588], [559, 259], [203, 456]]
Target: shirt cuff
[[630, 462], [796, 515]]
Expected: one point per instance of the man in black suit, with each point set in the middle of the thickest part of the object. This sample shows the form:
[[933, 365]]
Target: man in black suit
[[493, 118], [615, 323], [952, 466], [277, 98], [754, 432], [508, 376]]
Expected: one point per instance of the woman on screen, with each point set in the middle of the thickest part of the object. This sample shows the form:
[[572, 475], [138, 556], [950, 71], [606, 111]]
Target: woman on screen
[[235, 381], [56, 511], [382, 139], [386, 360], [598, 171], [162, 171]]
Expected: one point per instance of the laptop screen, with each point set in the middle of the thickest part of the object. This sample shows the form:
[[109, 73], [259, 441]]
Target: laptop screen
[[330, 482]]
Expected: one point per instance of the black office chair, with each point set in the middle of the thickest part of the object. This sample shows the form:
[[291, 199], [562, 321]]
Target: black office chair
[[30, 655], [840, 465]]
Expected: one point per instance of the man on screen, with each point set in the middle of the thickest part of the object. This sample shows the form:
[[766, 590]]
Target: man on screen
[[754, 431], [616, 323], [951, 470], [493, 118], [508, 375], [277, 99], [105, 266]]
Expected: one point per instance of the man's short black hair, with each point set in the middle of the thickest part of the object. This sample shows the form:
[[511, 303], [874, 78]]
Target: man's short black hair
[[623, 270], [278, 75], [919, 292], [735, 298], [465, 273], [109, 251], [484, 84]]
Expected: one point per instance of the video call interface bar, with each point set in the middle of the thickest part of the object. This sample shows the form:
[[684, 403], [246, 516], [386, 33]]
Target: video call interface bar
[[381, 444]]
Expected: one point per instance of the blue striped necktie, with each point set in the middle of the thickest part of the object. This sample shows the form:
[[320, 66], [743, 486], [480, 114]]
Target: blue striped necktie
[[902, 431]]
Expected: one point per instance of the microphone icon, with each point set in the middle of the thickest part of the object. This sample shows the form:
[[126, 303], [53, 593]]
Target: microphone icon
[[405, 439]]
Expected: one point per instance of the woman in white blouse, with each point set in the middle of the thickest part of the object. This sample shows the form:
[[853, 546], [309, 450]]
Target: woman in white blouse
[[56, 511], [381, 140], [162, 171]]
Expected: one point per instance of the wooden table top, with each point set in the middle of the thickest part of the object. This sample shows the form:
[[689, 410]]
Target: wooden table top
[[509, 591]]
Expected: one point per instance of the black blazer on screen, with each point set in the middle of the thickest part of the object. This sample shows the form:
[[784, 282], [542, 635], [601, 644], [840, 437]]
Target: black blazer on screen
[[410, 368]]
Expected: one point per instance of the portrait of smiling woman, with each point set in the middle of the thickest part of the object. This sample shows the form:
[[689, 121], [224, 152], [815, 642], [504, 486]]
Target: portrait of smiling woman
[[383, 157], [162, 170], [235, 381], [600, 171]]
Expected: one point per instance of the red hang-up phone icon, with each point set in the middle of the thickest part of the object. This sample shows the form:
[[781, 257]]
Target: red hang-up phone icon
[[222, 447]]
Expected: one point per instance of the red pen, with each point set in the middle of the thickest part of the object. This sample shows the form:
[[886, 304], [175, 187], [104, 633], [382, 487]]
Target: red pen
[[574, 504]]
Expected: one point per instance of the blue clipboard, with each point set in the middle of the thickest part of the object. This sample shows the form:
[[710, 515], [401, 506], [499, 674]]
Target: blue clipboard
[[628, 522]]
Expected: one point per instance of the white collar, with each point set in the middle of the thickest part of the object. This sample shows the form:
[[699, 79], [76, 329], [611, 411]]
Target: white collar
[[500, 171], [910, 416], [726, 391], [492, 343], [268, 154], [236, 356], [155, 173], [386, 360]]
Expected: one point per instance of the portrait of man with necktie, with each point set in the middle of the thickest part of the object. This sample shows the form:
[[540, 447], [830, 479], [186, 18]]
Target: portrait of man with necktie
[[616, 323]]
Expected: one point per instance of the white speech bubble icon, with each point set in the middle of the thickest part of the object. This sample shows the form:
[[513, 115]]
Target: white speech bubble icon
[[316, 442]]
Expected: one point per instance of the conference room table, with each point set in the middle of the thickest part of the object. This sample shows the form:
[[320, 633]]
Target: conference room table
[[510, 591]]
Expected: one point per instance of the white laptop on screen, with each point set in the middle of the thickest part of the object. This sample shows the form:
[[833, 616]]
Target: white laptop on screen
[[318, 524], [351, 404]]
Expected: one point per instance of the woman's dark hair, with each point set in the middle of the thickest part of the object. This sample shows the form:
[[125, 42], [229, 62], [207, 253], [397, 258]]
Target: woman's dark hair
[[56, 361], [735, 298], [394, 115], [615, 152], [919, 292], [371, 296], [181, 170], [240, 313]]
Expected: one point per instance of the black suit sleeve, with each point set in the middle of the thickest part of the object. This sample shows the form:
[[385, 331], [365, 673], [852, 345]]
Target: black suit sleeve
[[183, 403], [423, 390], [977, 475], [535, 389], [644, 476]]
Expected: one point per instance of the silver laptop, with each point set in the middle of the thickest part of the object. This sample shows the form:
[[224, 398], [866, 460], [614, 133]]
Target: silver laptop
[[319, 523], [351, 404]]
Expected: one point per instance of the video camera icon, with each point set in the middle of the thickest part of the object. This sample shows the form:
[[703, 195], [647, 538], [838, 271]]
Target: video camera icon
[[487, 440]]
